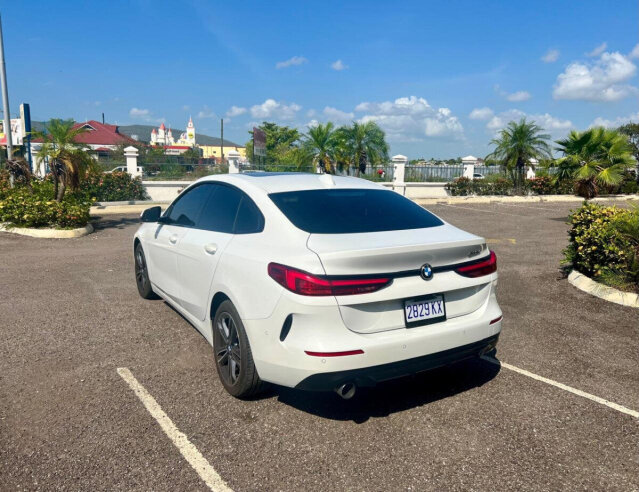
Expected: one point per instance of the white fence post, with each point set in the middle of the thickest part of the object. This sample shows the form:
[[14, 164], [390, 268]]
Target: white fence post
[[233, 158], [530, 172], [131, 154], [399, 172], [469, 163]]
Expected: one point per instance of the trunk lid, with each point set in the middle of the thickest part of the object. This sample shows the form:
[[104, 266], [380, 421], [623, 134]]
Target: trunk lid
[[404, 251]]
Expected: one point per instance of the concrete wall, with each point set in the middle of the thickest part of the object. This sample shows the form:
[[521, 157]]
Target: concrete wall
[[166, 191], [421, 190]]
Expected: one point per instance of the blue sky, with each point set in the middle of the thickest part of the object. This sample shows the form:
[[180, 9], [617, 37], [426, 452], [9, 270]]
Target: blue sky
[[439, 77]]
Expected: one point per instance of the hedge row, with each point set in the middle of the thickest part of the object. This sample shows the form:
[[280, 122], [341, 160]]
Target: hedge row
[[540, 185], [24, 206]]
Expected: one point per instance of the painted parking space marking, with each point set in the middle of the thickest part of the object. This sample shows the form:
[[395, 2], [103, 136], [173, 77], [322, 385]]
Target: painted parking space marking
[[564, 387], [549, 208], [478, 210], [190, 453]]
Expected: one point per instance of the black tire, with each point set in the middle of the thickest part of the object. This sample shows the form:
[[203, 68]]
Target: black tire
[[233, 357], [142, 274]]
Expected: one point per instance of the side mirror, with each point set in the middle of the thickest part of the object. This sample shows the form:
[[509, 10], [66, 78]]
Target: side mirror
[[151, 214]]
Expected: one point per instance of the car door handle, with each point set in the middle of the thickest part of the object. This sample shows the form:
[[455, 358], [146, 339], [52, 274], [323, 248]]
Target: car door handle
[[210, 248], [173, 238]]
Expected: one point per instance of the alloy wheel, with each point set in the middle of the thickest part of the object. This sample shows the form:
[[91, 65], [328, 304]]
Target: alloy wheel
[[228, 355]]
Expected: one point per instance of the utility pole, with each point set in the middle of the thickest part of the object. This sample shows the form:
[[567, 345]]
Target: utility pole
[[5, 97], [222, 137]]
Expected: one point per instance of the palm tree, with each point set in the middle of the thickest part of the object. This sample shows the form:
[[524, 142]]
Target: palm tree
[[320, 142], [517, 144], [594, 158], [366, 142], [68, 160]]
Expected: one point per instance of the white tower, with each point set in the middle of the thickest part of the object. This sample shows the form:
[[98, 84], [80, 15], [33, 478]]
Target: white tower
[[190, 133], [162, 135]]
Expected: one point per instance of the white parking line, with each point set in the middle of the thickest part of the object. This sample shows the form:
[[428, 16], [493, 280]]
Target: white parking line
[[564, 387], [479, 210], [186, 447]]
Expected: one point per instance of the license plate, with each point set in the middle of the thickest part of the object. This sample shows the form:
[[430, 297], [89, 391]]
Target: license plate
[[424, 310]]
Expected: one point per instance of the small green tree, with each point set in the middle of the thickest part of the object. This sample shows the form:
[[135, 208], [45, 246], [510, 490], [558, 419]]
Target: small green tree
[[320, 142], [516, 145], [366, 143], [68, 160], [594, 158]]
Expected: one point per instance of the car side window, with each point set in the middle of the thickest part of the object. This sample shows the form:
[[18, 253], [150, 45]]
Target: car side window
[[220, 209], [249, 218], [187, 209]]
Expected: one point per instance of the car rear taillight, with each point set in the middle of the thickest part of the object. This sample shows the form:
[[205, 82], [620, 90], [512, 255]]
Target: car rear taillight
[[479, 268], [306, 284]]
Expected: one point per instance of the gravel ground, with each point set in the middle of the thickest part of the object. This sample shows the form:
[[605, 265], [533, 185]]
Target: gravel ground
[[70, 315]]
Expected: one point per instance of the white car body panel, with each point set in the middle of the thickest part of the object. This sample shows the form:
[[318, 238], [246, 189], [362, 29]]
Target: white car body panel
[[189, 278]]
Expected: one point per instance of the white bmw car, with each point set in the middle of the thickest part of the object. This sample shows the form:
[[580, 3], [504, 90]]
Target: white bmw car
[[318, 282]]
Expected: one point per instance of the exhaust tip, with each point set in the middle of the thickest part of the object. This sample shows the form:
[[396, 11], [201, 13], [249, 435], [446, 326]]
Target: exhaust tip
[[346, 390]]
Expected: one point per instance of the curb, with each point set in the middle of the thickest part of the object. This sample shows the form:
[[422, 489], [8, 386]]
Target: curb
[[610, 294], [123, 209], [524, 199], [49, 233]]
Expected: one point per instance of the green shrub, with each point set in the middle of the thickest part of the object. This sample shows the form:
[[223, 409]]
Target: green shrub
[[600, 245], [541, 185], [112, 187], [461, 187], [35, 207]]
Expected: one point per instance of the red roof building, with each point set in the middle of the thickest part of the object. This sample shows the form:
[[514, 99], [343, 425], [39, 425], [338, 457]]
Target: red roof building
[[101, 135]]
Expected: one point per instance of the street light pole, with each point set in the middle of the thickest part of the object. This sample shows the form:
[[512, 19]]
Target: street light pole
[[222, 137], [5, 97]]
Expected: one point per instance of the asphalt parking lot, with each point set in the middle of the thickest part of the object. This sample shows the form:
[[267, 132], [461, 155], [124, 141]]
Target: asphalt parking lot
[[70, 316]]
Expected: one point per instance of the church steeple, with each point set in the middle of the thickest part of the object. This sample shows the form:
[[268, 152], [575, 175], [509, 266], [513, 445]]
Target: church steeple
[[190, 132]]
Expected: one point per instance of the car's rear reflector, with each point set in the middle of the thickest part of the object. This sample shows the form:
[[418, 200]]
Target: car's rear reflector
[[495, 320], [307, 284], [479, 268], [334, 354]]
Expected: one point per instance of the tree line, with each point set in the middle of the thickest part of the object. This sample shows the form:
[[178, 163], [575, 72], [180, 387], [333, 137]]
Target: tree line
[[334, 149]]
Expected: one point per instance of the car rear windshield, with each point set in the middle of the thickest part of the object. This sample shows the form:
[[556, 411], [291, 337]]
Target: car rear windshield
[[348, 211]]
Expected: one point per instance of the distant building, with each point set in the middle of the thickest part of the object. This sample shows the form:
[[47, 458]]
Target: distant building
[[101, 138], [162, 137], [215, 151]]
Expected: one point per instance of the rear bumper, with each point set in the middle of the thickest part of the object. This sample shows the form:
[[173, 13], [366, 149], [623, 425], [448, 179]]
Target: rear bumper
[[370, 376]]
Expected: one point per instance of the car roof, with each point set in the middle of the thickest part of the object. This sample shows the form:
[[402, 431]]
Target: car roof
[[280, 182]]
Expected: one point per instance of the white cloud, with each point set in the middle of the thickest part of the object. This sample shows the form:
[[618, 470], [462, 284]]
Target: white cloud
[[235, 111], [337, 116], [621, 120], [338, 65], [519, 96], [411, 119], [513, 96], [312, 123], [139, 113], [635, 52], [274, 109], [554, 126], [601, 80], [295, 60], [598, 50], [551, 56], [481, 114], [310, 113], [206, 112]]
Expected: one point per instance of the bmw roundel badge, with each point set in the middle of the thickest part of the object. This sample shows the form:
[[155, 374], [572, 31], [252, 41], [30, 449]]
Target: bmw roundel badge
[[426, 271]]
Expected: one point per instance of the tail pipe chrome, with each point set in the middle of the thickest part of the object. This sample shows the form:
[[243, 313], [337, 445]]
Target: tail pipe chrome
[[346, 390]]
